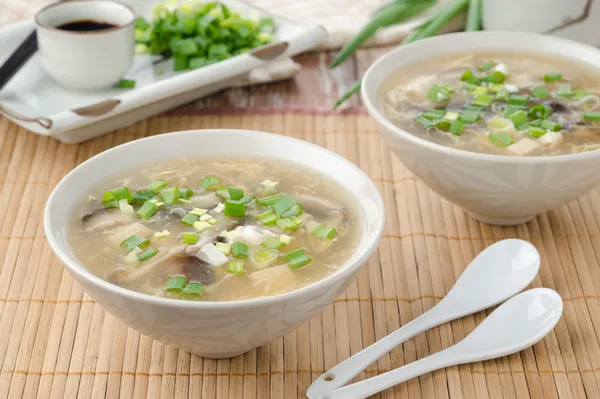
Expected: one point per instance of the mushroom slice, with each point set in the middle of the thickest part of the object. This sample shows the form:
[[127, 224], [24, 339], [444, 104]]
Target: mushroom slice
[[105, 219], [122, 233], [317, 205], [273, 280], [206, 200]]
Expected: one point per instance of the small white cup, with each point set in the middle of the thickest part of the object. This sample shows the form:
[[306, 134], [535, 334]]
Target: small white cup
[[86, 59]]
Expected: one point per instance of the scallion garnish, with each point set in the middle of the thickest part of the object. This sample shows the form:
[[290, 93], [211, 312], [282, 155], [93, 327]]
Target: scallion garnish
[[434, 114], [272, 243], [502, 95], [284, 204], [147, 210], [211, 182], [469, 77], [439, 93], [297, 258], [550, 125], [457, 127], [540, 92], [111, 198], [469, 117], [540, 111], [176, 284], [189, 238], [186, 193], [518, 118], [134, 241], [536, 132], [223, 247], [268, 218], [518, 101], [239, 249], [552, 76], [246, 199], [424, 121], [234, 208], [269, 201], [235, 267], [486, 66], [142, 195], [325, 232], [126, 83], [495, 77], [158, 185], [501, 139], [170, 195], [483, 100], [193, 288], [591, 116], [235, 193], [189, 219], [564, 91], [286, 224], [147, 254]]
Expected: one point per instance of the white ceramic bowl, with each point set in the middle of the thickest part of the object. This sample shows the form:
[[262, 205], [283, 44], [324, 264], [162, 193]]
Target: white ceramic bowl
[[492, 188], [214, 329]]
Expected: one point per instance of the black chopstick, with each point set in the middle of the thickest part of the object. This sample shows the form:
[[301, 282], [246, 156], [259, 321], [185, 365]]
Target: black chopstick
[[18, 58]]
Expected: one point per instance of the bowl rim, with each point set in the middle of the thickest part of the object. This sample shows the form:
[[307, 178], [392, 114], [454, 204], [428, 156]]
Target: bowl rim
[[510, 37], [366, 247]]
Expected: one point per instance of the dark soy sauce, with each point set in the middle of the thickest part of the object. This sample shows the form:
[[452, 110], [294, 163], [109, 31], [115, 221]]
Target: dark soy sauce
[[86, 25]]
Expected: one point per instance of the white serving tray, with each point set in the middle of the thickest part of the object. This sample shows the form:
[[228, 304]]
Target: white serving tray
[[34, 101]]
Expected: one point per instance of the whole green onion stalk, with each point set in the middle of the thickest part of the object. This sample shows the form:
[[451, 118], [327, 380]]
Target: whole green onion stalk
[[428, 29]]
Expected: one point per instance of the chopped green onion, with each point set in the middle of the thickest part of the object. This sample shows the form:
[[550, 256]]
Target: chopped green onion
[[536, 123], [111, 198], [199, 211], [439, 93], [457, 127], [480, 90], [193, 288], [147, 210], [126, 83], [134, 241], [591, 116], [295, 210], [176, 284], [239, 249], [284, 204], [540, 111], [246, 199], [162, 234], [142, 195], [486, 66], [157, 185], [272, 243], [509, 111], [235, 267], [541, 92], [501, 139], [564, 91], [269, 201], [552, 76], [202, 225], [234, 208], [578, 95], [469, 117], [285, 239], [211, 182], [483, 100], [223, 193], [170, 195], [424, 121], [495, 87], [325, 232], [268, 218], [186, 193], [434, 114], [502, 95], [185, 201], [495, 77], [147, 254], [286, 224], [451, 116], [223, 247], [518, 118], [189, 219], [297, 258], [518, 101], [235, 193], [189, 238], [469, 77], [536, 132], [550, 125]]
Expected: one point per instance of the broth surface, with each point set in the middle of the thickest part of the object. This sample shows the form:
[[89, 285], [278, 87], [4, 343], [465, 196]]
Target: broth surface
[[472, 103], [99, 235]]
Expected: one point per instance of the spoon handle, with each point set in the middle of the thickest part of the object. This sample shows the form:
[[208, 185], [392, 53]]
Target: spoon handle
[[349, 368], [383, 381]]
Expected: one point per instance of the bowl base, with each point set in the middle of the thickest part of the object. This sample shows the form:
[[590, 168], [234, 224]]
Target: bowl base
[[508, 221], [224, 355]]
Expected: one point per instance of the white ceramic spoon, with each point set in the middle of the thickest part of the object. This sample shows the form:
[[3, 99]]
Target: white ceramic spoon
[[517, 324], [496, 274]]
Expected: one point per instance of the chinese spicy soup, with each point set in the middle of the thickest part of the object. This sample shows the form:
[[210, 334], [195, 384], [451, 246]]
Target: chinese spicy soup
[[497, 104], [219, 230]]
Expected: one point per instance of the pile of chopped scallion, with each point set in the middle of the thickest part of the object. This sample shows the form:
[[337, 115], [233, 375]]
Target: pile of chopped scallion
[[197, 33], [279, 212], [525, 108]]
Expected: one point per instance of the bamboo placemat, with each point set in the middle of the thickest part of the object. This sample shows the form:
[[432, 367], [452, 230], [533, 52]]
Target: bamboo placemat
[[57, 342]]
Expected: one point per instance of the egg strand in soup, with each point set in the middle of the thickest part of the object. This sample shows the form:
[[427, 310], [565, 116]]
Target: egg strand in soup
[[220, 230], [496, 104]]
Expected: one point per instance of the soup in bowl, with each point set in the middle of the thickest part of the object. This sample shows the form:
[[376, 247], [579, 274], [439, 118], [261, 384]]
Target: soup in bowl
[[503, 124], [215, 241]]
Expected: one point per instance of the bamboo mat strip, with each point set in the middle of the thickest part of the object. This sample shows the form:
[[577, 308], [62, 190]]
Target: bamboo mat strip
[[59, 343]]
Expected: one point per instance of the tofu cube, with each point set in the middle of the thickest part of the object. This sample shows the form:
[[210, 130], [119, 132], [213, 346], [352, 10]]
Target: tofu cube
[[552, 138], [523, 146]]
